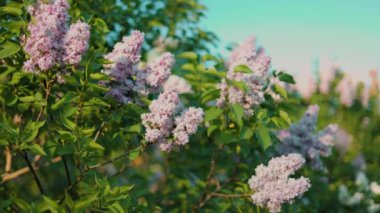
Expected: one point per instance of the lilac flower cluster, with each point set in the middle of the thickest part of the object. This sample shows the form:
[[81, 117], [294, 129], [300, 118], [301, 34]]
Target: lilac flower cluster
[[128, 76], [178, 84], [246, 54], [272, 184], [164, 127], [51, 42], [301, 138], [346, 90], [306, 88], [75, 42], [328, 69]]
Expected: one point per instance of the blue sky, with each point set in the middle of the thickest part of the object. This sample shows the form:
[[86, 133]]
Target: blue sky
[[297, 32]]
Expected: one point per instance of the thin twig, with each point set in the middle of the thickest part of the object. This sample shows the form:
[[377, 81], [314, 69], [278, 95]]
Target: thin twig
[[47, 94], [25, 155], [8, 160], [206, 194], [10, 176], [229, 196]]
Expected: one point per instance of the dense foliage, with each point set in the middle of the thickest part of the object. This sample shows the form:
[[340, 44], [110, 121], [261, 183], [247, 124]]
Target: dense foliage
[[118, 106]]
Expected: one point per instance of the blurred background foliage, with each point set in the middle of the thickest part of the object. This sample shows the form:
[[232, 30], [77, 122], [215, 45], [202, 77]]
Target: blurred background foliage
[[149, 180]]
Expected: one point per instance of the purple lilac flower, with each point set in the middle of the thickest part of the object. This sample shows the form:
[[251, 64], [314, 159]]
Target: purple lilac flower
[[51, 42], [131, 79], [301, 138], [75, 43]]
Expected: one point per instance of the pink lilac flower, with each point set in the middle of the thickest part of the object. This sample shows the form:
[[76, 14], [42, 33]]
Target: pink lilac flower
[[346, 90], [47, 31], [159, 70], [125, 56], [178, 84], [164, 127], [301, 138], [272, 184], [255, 58], [187, 124], [51, 42], [328, 71], [75, 43], [307, 88], [343, 141], [365, 97]]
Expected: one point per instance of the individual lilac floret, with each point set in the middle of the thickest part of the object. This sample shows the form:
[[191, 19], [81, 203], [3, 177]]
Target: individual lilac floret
[[301, 138], [246, 54], [47, 31], [178, 84], [272, 184], [159, 70], [75, 43], [164, 128], [346, 90]]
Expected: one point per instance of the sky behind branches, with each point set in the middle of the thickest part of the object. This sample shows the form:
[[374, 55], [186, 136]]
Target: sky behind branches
[[295, 33]]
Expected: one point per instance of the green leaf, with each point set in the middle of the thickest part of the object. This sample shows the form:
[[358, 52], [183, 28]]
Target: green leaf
[[16, 77], [51, 202], [133, 154], [85, 201], [101, 25], [37, 149], [69, 97], [284, 115], [243, 69], [237, 113], [208, 57], [287, 78], [211, 129], [212, 114], [264, 137], [210, 95], [238, 84], [11, 9], [99, 76], [134, 128], [31, 131], [189, 67], [8, 49], [226, 137], [188, 55], [27, 99], [245, 147], [280, 90], [94, 145], [68, 123], [246, 133]]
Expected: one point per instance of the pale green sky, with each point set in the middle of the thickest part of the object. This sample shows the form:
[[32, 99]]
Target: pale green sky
[[296, 32]]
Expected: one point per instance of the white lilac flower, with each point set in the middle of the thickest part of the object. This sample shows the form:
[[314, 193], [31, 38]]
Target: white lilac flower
[[272, 184]]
